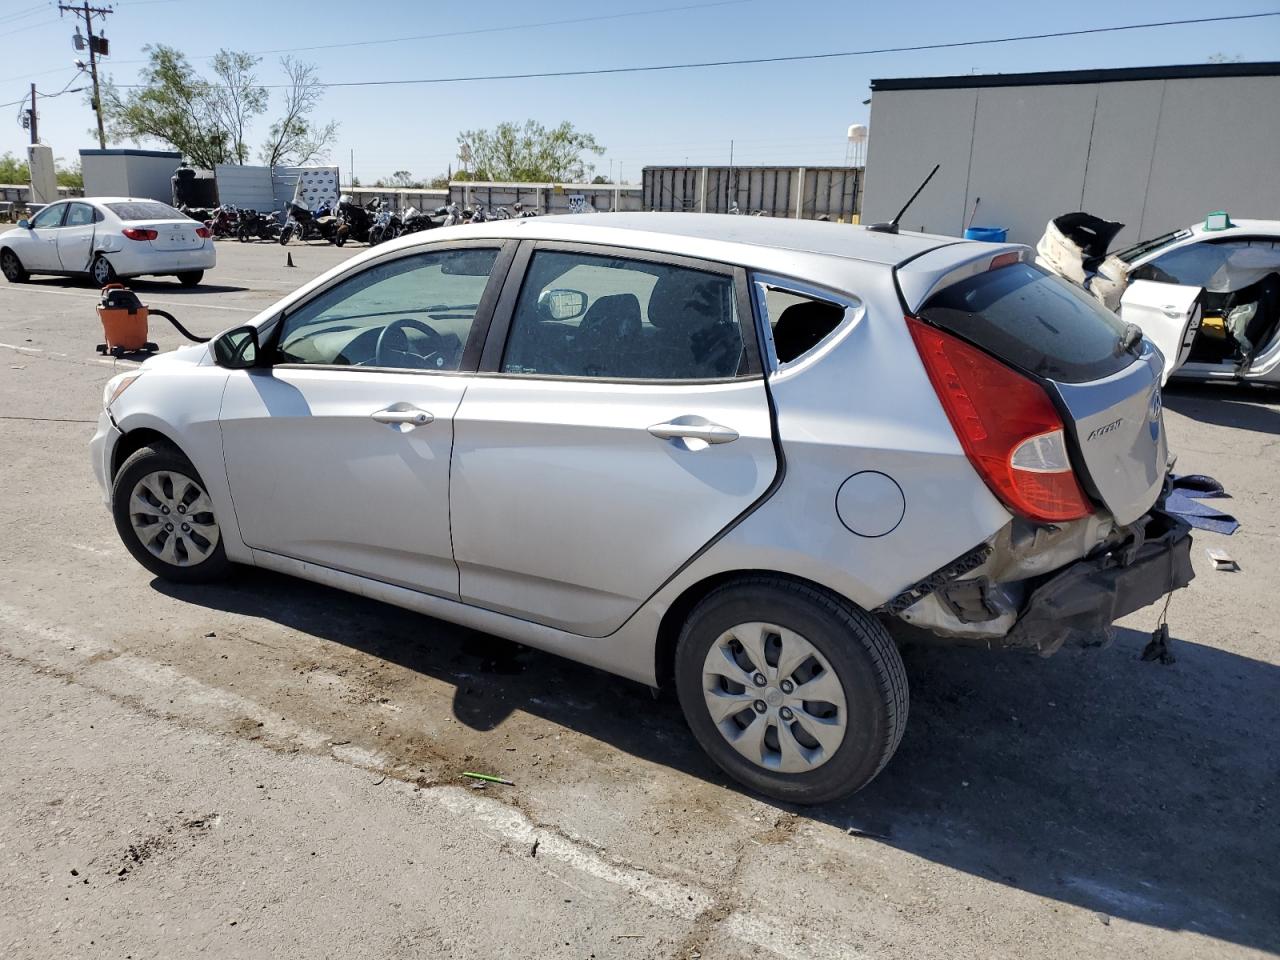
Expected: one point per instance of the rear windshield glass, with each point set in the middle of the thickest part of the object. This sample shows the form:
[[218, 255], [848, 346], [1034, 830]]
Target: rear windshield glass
[[146, 210], [1032, 320]]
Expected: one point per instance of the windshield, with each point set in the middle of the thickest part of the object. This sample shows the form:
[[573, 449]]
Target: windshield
[[145, 210], [1033, 320], [1143, 247]]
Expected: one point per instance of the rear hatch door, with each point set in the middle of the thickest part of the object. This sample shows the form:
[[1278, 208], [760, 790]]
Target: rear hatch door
[[1104, 378]]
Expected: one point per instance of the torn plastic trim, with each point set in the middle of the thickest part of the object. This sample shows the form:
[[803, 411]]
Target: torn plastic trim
[[1084, 599], [943, 575]]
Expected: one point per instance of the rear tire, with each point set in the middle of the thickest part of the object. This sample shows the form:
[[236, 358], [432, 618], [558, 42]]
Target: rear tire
[[101, 272], [12, 267], [813, 639], [191, 278], [165, 517]]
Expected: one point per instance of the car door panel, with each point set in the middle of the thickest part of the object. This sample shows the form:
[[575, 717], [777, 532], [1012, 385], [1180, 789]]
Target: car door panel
[[339, 453], [568, 511], [1169, 315], [75, 238], [317, 471], [583, 481], [40, 252]]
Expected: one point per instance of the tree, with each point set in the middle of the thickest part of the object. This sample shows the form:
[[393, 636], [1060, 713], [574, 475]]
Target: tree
[[209, 122], [293, 139], [529, 153], [237, 98], [173, 105], [13, 169], [70, 176], [402, 178]]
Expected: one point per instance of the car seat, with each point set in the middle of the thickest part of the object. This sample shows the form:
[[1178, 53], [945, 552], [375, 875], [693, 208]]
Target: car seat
[[696, 333], [607, 341]]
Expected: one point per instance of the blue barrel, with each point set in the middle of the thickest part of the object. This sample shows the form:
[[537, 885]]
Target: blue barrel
[[987, 234]]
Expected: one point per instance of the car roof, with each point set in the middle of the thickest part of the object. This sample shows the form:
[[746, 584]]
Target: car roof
[[1237, 228], [714, 235]]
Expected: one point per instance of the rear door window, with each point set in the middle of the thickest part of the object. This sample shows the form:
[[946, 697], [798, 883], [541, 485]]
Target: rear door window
[[1032, 320], [619, 318], [80, 215]]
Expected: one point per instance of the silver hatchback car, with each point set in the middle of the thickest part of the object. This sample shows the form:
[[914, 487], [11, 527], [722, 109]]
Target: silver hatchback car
[[714, 453]]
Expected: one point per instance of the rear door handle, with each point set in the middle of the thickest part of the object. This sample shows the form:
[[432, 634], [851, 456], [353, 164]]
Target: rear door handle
[[706, 432], [403, 413]]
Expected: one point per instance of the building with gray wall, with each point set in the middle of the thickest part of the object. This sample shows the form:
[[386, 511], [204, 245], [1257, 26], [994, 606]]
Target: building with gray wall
[[129, 173], [1153, 147]]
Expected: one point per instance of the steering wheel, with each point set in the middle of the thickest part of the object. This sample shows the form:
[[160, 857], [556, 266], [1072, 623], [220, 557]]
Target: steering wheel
[[392, 349]]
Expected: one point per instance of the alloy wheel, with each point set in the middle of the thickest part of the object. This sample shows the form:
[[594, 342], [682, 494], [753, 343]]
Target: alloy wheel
[[172, 517], [101, 272], [11, 268], [774, 697]]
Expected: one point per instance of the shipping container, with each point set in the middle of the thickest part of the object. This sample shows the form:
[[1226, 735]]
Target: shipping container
[[798, 192]]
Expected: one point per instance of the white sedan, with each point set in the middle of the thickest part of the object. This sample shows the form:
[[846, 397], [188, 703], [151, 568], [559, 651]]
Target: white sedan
[[108, 238]]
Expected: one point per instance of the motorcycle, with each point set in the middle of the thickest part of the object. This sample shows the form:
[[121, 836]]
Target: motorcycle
[[415, 221], [386, 226], [452, 214], [354, 221], [307, 224], [257, 226], [224, 223]]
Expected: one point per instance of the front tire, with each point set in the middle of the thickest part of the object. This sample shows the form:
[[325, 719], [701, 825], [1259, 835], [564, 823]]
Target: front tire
[[792, 691], [12, 267], [101, 272], [191, 278], [165, 516]]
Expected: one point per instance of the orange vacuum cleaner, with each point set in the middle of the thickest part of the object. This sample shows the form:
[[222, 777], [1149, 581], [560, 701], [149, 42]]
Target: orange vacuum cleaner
[[124, 323]]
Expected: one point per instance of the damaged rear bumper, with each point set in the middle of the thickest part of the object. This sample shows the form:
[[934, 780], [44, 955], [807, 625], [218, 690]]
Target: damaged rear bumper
[[1079, 602], [1076, 602]]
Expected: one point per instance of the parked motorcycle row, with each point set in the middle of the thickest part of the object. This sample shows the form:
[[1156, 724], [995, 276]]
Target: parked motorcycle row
[[372, 223]]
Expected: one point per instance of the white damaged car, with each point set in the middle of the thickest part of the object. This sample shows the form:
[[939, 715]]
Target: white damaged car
[[108, 239]]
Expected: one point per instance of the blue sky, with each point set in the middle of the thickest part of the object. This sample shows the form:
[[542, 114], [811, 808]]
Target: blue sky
[[794, 113]]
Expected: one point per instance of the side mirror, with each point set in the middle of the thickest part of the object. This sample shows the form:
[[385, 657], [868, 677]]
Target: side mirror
[[237, 349], [561, 304], [24, 224]]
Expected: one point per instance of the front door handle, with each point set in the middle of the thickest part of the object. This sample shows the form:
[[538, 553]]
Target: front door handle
[[706, 432], [402, 413]]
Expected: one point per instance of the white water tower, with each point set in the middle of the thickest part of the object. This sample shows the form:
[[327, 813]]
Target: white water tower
[[855, 154]]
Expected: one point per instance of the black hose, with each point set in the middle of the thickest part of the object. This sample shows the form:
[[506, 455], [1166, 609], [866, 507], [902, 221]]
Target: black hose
[[179, 327]]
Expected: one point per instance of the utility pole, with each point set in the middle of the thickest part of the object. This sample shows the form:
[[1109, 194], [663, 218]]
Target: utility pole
[[88, 13], [35, 135]]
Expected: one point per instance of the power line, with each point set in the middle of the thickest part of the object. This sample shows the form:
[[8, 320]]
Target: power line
[[652, 68]]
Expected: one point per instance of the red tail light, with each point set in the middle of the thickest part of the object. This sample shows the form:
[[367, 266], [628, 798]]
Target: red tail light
[[204, 233], [134, 233], [1007, 425]]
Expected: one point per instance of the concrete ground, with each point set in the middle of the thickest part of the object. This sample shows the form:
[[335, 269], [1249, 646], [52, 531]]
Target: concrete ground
[[269, 767]]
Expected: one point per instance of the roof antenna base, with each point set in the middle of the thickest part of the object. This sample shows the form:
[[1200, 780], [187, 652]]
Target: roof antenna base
[[891, 226]]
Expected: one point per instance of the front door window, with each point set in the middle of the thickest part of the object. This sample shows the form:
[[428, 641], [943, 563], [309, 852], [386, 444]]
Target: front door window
[[414, 313]]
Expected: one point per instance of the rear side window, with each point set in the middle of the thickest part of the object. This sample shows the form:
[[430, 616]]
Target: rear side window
[[1032, 320], [146, 210]]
